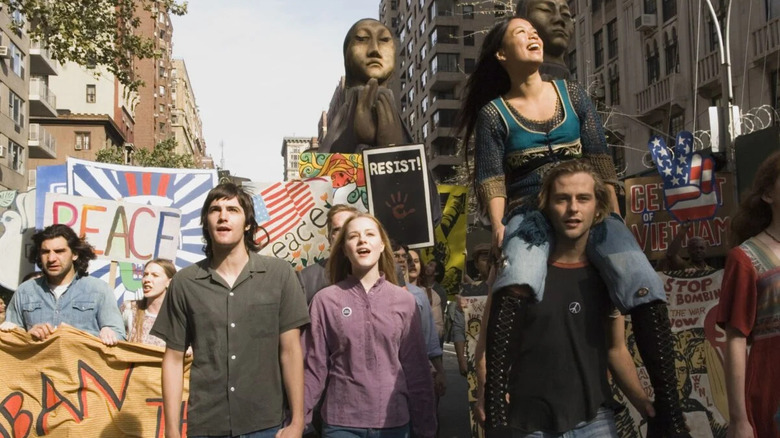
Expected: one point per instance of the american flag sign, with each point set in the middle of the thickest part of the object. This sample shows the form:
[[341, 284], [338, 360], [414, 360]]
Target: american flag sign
[[690, 192], [279, 208]]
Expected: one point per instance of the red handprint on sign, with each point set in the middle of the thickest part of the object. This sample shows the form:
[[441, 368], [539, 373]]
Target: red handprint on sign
[[398, 204]]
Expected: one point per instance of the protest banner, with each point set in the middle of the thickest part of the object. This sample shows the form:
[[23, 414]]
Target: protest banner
[[654, 227], [345, 172], [449, 249], [473, 308], [292, 219], [17, 217], [182, 189], [399, 194], [117, 230], [80, 387], [699, 345]]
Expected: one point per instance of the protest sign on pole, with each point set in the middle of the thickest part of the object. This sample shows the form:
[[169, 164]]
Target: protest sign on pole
[[399, 192], [450, 236], [648, 218], [345, 172], [117, 230]]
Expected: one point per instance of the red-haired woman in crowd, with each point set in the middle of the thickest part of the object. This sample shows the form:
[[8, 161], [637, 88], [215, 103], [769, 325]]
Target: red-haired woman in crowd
[[749, 308], [364, 348]]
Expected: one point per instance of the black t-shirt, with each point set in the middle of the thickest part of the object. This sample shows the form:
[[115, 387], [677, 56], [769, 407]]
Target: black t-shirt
[[559, 374]]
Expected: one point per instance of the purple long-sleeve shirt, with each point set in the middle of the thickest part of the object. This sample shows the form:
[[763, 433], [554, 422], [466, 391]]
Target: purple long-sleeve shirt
[[369, 349]]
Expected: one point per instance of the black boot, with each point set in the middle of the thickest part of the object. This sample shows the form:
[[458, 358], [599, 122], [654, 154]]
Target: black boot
[[654, 339], [501, 334]]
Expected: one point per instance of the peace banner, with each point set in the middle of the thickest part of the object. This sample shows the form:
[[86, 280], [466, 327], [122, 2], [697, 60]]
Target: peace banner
[[73, 385]]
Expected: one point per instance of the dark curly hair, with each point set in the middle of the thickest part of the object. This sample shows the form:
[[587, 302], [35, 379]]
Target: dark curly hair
[[78, 245], [229, 191]]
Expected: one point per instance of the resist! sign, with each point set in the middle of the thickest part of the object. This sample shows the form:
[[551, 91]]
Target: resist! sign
[[118, 231]]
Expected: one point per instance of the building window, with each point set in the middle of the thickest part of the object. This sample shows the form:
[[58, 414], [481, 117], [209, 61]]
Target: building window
[[444, 118], [82, 141], [468, 12], [596, 5], [444, 35], [91, 93], [411, 96], [612, 39], [571, 63], [161, 90], [17, 60], [676, 124], [669, 9], [18, 20], [442, 8], [423, 78], [614, 89], [468, 38], [444, 62], [174, 119], [772, 9], [469, 64], [650, 7], [671, 52], [16, 108], [425, 130], [422, 29], [424, 105], [16, 156], [598, 48], [653, 64], [500, 10]]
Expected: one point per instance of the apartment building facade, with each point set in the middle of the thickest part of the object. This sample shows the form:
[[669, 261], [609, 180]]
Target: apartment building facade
[[185, 120], [16, 90], [438, 44], [654, 67], [292, 147]]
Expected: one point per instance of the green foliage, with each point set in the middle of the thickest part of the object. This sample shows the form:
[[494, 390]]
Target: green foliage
[[163, 155], [93, 32]]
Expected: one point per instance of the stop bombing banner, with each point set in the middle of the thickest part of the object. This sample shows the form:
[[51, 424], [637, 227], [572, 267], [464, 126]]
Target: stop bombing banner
[[80, 387], [654, 228], [698, 358]]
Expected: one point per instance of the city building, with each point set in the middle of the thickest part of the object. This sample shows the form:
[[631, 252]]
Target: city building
[[155, 103], [185, 117], [17, 86], [438, 44], [92, 111], [654, 67], [292, 147]]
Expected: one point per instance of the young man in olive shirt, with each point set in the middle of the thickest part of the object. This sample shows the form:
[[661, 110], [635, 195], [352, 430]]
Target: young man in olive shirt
[[241, 312]]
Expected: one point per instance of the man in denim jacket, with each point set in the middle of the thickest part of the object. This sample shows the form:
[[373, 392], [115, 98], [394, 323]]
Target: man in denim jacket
[[65, 293]]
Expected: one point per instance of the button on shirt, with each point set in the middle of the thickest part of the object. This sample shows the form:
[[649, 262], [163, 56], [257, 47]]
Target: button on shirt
[[236, 381], [88, 304], [369, 349]]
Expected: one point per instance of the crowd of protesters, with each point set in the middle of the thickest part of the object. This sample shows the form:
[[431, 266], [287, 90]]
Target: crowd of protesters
[[352, 345]]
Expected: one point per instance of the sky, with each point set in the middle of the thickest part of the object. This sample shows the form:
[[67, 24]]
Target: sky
[[262, 70]]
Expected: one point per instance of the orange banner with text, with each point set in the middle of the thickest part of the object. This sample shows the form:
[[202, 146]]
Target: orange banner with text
[[73, 385]]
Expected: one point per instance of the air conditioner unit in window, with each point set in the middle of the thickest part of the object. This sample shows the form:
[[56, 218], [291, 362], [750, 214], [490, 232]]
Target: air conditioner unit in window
[[78, 146], [4, 51], [645, 22]]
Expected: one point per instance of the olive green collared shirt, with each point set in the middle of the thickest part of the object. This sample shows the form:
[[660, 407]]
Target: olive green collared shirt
[[236, 377]]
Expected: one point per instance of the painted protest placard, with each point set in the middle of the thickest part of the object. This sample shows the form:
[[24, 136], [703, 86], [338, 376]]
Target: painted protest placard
[[17, 216], [473, 309], [292, 219], [450, 236], [698, 356], [79, 387], [654, 227], [345, 172], [117, 230], [399, 194]]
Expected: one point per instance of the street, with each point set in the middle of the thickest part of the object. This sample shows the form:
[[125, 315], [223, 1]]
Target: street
[[453, 407]]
